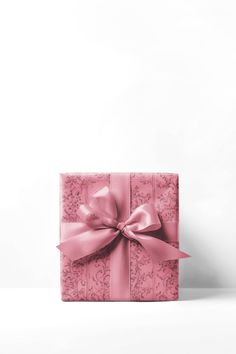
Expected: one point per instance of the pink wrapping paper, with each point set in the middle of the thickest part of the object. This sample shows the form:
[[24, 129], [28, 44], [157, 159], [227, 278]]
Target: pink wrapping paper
[[91, 278]]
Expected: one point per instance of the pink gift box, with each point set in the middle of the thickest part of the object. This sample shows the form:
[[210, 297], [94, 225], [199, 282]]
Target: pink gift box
[[119, 236]]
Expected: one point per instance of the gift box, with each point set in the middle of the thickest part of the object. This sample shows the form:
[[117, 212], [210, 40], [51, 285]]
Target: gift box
[[119, 236]]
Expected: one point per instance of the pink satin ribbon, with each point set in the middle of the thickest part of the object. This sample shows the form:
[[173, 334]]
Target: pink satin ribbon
[[102, 221]]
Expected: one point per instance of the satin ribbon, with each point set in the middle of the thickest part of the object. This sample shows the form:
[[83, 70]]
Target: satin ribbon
[[99, 226]]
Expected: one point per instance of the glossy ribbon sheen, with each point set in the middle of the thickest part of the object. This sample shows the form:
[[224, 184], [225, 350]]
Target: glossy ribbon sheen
[[101, 224]]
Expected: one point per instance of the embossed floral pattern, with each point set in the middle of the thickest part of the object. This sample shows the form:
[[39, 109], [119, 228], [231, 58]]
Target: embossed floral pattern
[[87, 279], [150, 281]]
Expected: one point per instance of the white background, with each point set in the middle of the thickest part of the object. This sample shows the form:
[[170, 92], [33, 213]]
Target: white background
[[38, 322], [117, 86], [108, 86]]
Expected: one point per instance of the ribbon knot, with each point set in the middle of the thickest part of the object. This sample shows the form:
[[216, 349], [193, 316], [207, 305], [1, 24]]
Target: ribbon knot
[[124, 230], [100, 225], [120, 226]]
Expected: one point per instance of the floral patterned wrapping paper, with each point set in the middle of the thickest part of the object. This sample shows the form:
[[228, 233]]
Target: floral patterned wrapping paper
[[89, 279]]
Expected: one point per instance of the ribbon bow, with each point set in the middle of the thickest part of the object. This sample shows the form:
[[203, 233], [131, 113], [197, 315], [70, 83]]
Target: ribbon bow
[[99, 227]]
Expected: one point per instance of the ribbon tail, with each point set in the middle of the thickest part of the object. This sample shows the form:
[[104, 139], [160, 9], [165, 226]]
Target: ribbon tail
[[87, 243], [159, 250]]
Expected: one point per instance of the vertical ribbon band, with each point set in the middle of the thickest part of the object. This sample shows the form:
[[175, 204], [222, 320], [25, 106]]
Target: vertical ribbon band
[[120, 255]]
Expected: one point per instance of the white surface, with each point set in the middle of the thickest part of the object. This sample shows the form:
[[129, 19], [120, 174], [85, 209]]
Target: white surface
[[117, 86], [36, 321]]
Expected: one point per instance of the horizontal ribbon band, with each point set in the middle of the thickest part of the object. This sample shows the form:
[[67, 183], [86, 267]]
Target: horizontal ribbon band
[[99, 227]]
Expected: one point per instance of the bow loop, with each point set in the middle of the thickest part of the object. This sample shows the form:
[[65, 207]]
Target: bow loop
[[89, 217], [104, 202], [144, 219], [101, 212]]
